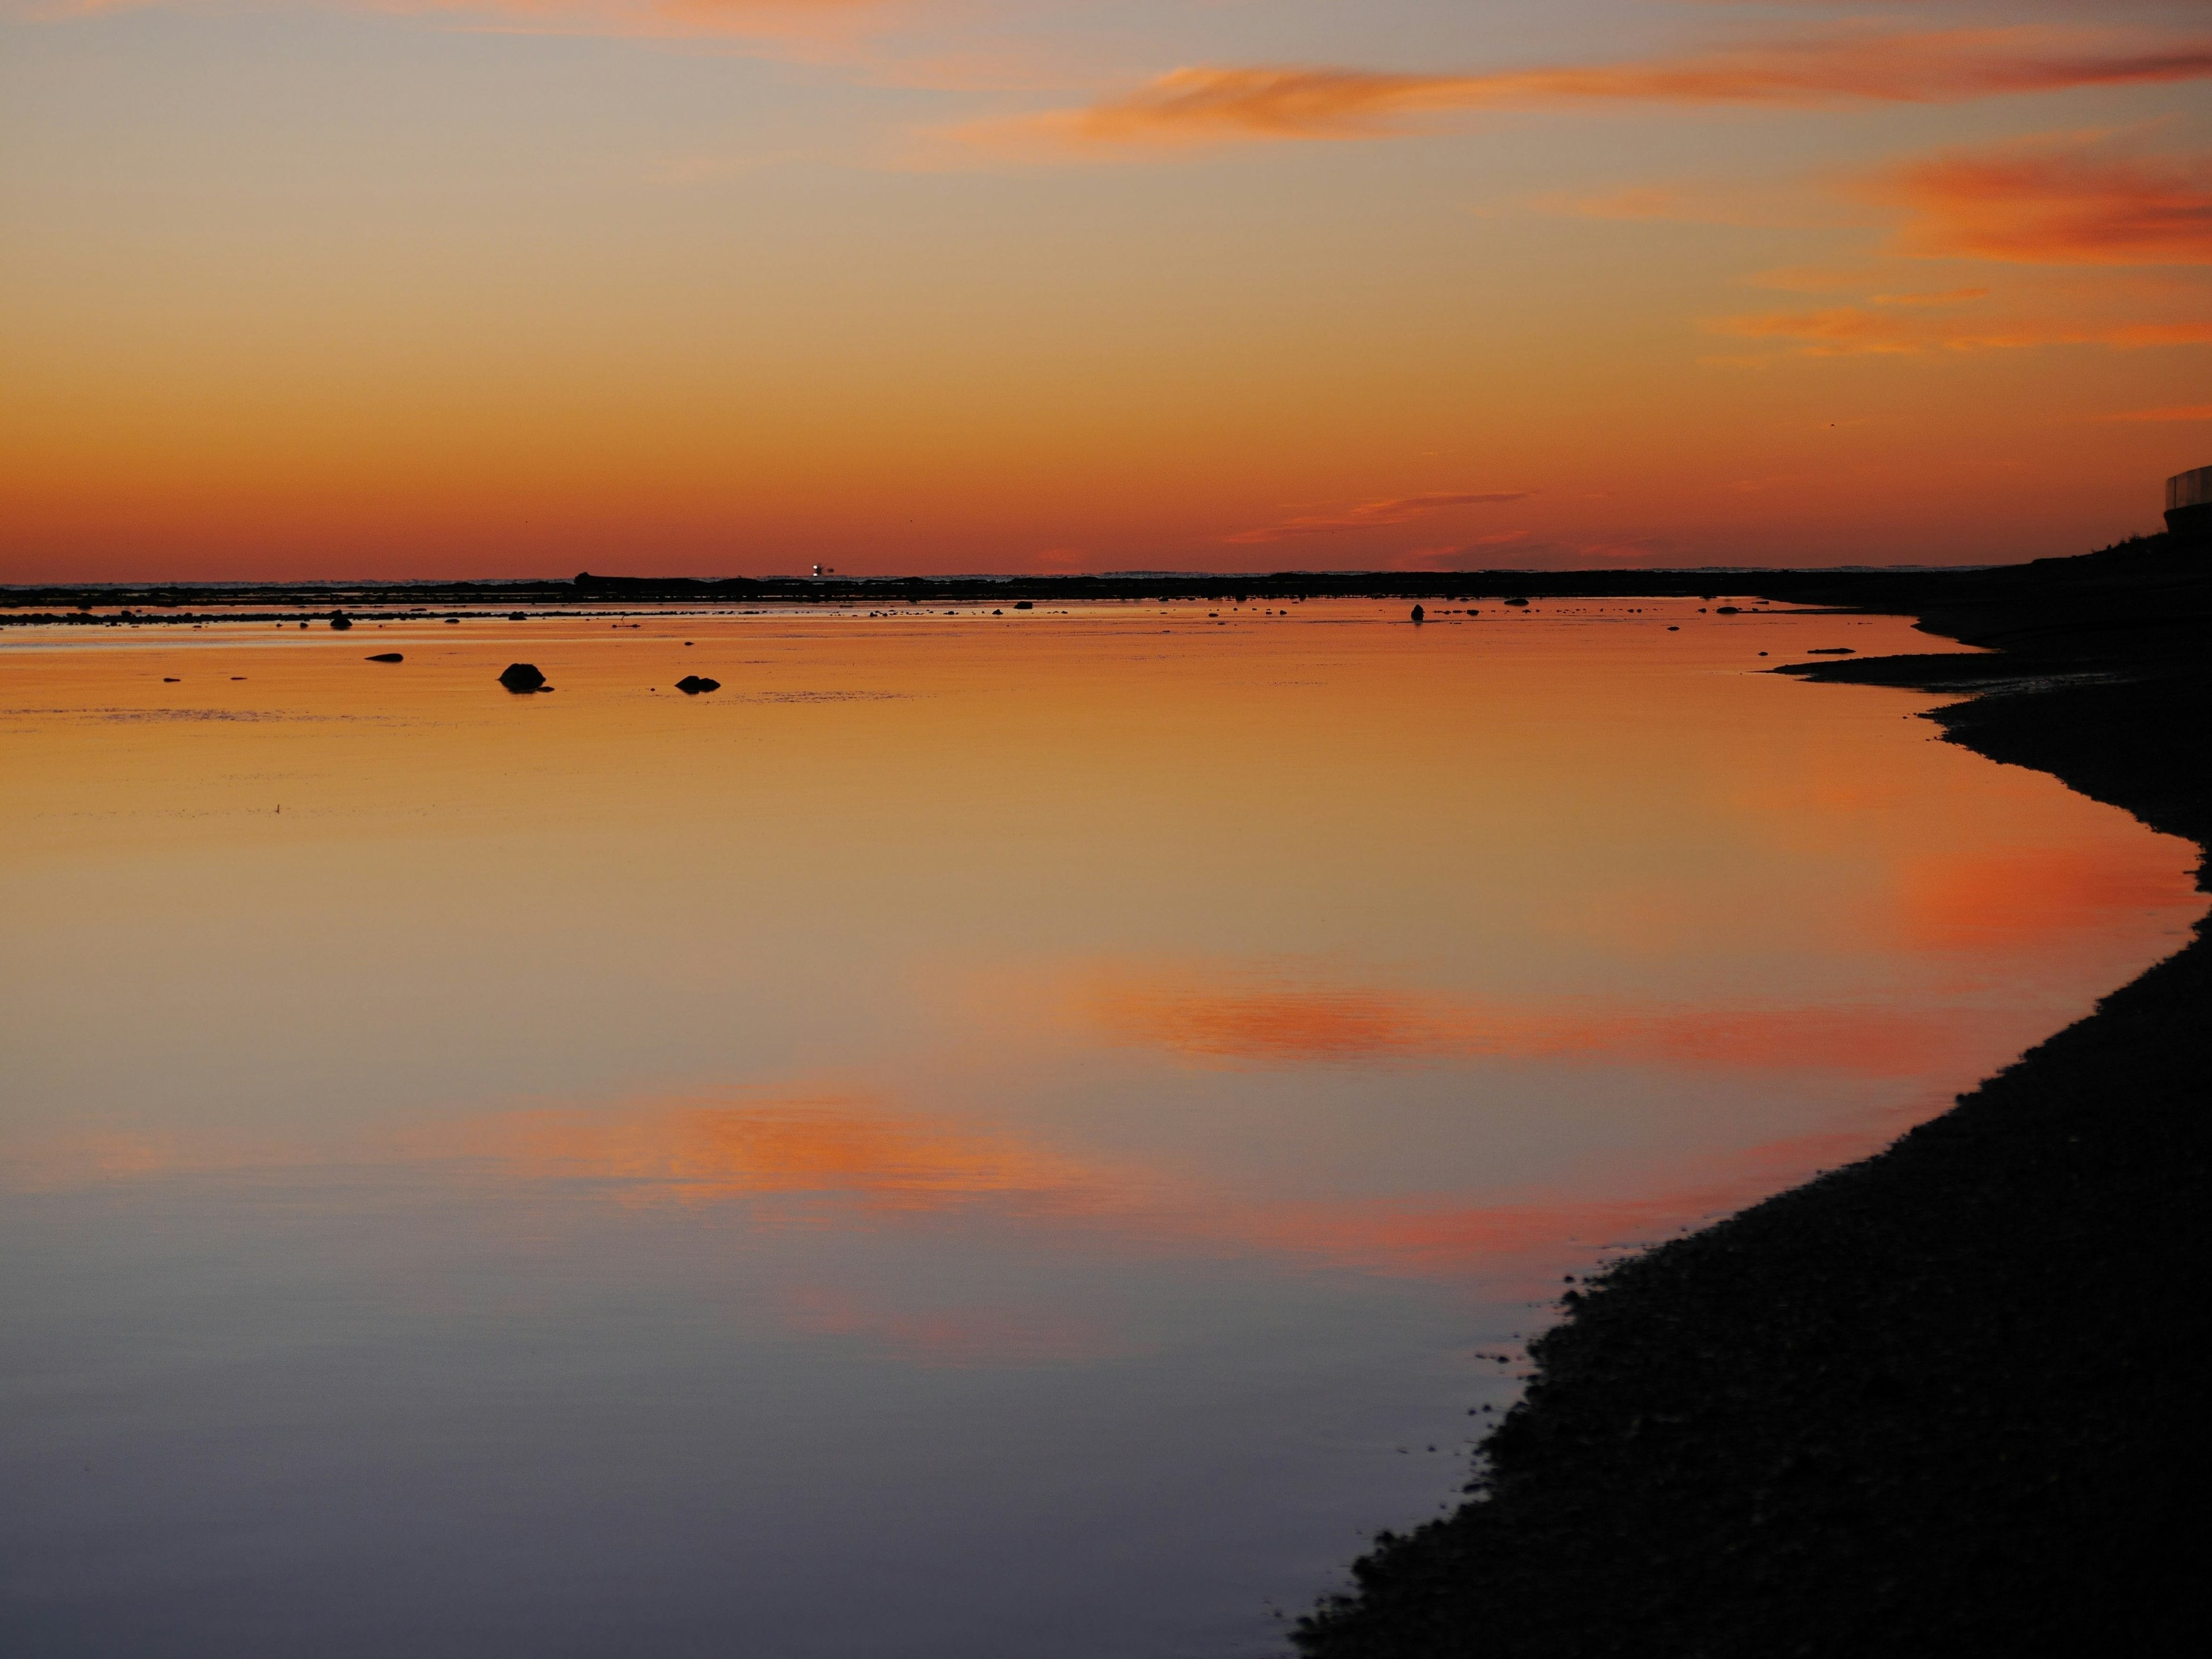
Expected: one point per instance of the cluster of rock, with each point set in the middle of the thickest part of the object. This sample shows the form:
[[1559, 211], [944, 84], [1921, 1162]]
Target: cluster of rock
[[526, 676]]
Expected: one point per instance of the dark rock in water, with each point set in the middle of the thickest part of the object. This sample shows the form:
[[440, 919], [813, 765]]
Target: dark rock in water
[[340, 620], [171, 679], [692, 684], [518, 616], [387, 656], [1516, 601], [522, 676], [1418, 614], [1727, 611], [1023, 604], [1831, 651]]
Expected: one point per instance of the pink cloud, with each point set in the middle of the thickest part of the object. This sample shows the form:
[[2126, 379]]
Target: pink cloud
[[1215, 104], [2070, 199]]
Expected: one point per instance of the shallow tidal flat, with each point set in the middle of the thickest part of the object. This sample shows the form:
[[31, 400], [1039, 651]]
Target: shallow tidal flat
[[1018, 1135]]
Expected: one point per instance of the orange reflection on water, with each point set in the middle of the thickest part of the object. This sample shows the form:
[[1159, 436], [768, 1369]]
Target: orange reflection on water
[[2017, 896], [912, 1180], [1233, 1018], [700, 1150], [890, 1167], [956, 863]]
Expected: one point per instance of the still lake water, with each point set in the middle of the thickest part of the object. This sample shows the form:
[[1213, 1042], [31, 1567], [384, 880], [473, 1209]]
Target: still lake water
[[986, 1138]]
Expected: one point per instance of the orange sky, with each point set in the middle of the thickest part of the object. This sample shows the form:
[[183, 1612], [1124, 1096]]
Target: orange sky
[[322, 289]]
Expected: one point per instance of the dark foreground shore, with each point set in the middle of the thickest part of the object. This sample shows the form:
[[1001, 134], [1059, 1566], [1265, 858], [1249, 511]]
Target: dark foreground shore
[[1945, 1401]]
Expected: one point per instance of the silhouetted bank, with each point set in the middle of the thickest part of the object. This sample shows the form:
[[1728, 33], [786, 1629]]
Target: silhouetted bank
[[1942, 1401]]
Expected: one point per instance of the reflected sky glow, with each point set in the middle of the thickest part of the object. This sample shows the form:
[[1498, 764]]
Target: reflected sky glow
[[983, 1114], [1255, 1019]]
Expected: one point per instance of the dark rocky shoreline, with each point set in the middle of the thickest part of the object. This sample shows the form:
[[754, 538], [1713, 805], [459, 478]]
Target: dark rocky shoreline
[[1941, 1401]]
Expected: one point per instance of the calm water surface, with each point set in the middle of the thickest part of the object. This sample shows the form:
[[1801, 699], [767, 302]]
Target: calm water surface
[[989, 1137]]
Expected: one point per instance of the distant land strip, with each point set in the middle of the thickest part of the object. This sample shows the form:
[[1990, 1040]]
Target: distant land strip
[[1852, 588]]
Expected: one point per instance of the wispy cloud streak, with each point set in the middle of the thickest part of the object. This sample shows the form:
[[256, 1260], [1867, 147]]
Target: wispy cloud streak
[[1853, 331], [2091, 198], [1956, 296], [1367, 515], [1205, 104], [2173, 413], [2071, 199]]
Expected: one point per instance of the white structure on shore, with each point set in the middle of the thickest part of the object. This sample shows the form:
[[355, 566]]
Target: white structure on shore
[[2189, 504]]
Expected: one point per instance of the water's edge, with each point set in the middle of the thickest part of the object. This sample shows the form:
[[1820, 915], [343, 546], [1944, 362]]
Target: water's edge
[[1931, 1401]]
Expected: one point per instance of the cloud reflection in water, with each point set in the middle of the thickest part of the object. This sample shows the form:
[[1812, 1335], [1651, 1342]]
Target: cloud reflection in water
[[1245, 1017]]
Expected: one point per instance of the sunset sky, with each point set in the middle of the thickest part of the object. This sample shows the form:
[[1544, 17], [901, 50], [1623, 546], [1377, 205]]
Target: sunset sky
[[308, 289]]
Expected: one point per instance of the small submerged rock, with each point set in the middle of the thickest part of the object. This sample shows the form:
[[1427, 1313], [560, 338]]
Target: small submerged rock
[[692, 684], [387, 656], [522, 676], [339, 620], [1831, 651]]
